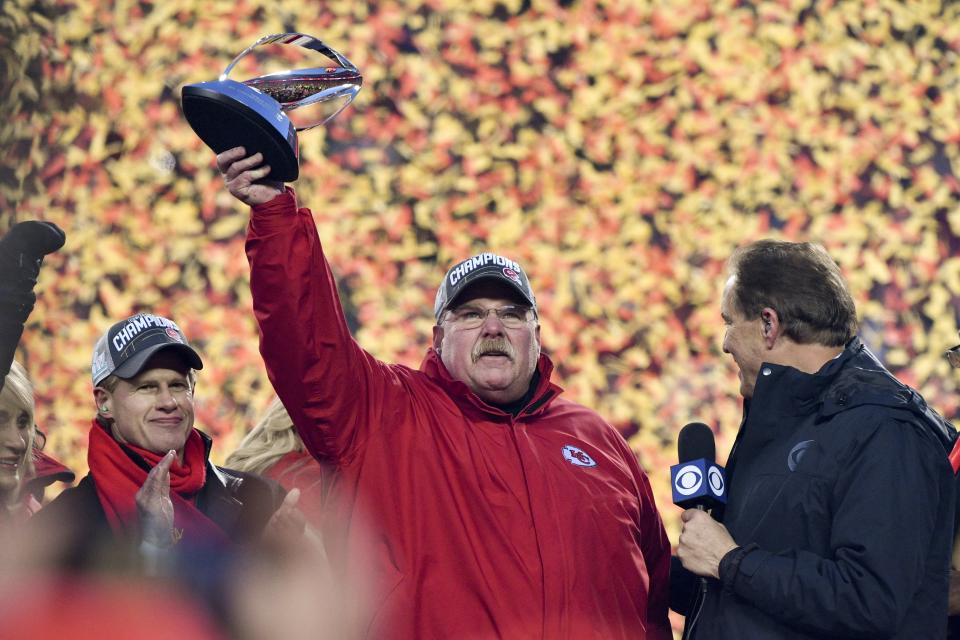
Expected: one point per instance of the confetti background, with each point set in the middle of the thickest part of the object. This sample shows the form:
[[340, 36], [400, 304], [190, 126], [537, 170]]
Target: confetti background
[[619, 150]]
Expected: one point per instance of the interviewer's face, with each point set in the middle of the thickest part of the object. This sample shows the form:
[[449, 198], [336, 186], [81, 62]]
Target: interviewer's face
[[154, 409], [496, 362], [743, 340]]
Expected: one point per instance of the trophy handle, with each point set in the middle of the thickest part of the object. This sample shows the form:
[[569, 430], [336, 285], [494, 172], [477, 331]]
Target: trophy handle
[[341, 82]]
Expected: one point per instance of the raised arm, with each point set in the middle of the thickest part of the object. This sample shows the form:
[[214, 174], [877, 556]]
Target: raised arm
[[333, 390]]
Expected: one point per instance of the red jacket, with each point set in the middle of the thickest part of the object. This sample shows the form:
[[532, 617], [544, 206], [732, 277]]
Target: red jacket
[[480, 524]]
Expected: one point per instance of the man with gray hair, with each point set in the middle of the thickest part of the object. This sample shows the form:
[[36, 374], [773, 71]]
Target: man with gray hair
[[497, 508], [840, 505]]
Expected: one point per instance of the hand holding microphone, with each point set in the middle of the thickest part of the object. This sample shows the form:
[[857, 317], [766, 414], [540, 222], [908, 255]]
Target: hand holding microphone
[[698, 486]]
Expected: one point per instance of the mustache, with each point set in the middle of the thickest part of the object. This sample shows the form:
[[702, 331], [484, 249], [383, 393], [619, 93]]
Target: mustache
[[498, 346]]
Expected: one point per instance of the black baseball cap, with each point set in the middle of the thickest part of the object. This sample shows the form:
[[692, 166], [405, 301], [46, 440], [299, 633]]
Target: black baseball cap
[[126, 346], [483, 266]]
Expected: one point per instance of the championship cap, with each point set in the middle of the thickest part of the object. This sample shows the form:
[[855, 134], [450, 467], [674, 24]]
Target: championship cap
[[127, 345], [484, 266]]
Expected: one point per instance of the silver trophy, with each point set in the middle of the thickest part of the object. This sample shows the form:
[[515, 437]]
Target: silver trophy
[[259, 114]]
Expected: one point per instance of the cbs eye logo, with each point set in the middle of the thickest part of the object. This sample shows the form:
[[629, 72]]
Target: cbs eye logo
[[688, 480], [715, 481]]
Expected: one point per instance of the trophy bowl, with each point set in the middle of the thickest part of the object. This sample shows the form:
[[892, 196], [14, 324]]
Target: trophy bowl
[[259, 114]]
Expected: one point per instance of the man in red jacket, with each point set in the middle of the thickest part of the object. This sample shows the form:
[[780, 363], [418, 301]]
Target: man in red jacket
[[494, 508]]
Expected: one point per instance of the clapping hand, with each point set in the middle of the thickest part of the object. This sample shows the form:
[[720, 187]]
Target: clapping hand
[[155, 507], [288, 522]]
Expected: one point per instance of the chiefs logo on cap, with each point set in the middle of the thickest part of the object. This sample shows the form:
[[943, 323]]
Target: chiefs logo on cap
[[513, 275], [173, 334]]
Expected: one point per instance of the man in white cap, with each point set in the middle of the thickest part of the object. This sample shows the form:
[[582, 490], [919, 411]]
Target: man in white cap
[[496, 508]]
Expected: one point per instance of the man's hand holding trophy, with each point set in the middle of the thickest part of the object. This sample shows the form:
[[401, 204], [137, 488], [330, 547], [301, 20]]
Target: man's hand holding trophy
[[264, 114]]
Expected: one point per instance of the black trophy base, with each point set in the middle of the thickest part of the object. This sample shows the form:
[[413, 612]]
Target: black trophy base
[[227, 114]]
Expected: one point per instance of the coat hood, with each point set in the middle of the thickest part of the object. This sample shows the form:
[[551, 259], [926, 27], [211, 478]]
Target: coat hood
[[856, 378]]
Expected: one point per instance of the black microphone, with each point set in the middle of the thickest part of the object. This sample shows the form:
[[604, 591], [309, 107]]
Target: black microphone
[[698, 482]]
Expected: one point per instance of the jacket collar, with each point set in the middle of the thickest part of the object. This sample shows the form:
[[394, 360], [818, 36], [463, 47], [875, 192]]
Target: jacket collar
[[471, 403], [854, 378], [215, 499], [786, 391]]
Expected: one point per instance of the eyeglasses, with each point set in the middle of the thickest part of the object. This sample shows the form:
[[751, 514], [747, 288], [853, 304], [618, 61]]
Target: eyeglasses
[[953, 356], [512, 317]]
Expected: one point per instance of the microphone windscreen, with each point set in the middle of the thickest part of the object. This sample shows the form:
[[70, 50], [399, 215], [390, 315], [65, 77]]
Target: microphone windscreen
[[696, 441]]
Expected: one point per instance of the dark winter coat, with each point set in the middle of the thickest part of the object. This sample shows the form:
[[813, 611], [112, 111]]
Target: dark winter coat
[[842, 495]]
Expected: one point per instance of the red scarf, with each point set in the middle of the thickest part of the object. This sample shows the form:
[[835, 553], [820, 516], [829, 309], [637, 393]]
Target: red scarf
[[118, 477]]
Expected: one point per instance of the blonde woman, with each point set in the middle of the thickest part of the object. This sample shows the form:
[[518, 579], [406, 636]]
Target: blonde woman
[[274, 450], [16, 439]]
